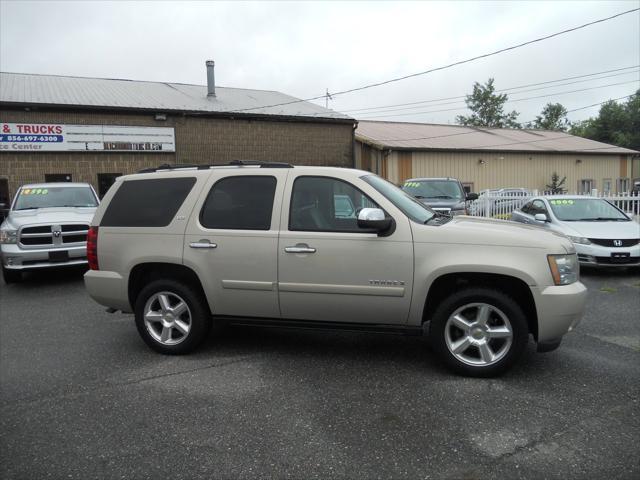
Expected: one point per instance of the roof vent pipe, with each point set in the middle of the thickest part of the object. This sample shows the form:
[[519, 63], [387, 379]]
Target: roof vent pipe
[[211, 82]]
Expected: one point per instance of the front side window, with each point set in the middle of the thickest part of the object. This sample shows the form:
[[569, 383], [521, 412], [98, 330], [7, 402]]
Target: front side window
[[324, 204], [240, 203], [407, 204], [538, 206], [46, 197]]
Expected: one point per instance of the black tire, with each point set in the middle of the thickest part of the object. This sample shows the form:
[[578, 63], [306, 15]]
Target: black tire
[[198, 311], [501, 307], [11, 276]]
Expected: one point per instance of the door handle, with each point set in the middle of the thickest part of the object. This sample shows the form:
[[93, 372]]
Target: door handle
[[300, 248], [203, 244]]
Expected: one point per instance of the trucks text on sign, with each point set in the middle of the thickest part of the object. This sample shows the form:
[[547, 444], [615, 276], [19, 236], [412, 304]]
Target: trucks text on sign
[[61, 137]]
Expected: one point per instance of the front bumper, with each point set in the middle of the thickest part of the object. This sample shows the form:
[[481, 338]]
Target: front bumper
[[599, 256], [15, 258], [560, 309]]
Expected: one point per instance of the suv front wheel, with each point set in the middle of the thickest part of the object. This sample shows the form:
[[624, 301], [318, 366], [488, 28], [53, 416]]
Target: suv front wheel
[[479, 332], [172, 317]]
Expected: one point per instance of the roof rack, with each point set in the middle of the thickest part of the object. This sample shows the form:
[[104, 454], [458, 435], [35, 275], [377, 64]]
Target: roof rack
[[198, 166]]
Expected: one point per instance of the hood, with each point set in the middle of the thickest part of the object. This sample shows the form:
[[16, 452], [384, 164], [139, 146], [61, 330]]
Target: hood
[[54, 215], [604, 230], [485, 231], [454, 204]]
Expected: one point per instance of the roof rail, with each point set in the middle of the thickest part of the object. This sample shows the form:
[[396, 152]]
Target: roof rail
[[238, 163]]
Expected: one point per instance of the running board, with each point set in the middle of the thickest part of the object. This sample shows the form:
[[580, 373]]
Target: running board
[[317, 325]]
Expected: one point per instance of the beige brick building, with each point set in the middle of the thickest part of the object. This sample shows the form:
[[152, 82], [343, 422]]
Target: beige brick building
[[231, 124]]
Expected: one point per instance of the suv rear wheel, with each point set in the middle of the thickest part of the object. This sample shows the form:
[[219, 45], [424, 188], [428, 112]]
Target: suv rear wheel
[[479, 332], [172, 317]]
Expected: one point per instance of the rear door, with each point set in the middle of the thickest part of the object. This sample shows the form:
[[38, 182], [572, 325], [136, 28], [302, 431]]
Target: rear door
[[232, 241]]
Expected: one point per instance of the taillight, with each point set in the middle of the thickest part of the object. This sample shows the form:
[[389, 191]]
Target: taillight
[[92, 248]]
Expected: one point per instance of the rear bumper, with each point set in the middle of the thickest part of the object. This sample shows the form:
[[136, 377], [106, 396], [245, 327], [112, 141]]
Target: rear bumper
[[16, 258], [560, 309], [108, 289]]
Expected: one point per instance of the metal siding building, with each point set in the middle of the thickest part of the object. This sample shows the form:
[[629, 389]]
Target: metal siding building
[[231, 124], [484, 158]]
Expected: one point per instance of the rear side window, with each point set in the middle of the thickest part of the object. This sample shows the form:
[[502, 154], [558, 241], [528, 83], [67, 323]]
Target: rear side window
[[147, 203], [240, 203]]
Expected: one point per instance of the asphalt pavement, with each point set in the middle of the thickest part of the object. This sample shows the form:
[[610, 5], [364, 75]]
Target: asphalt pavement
[[83, 397]]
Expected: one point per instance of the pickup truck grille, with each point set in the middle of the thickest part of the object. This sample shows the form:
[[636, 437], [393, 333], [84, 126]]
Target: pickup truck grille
[[53, 235]]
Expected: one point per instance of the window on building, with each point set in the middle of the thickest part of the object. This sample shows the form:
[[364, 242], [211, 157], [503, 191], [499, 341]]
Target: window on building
[[586, 185], [324, 204], [468, 187], [240, 203], [57, 177], [105, 180], [147, 203], [622, 185], [606, 185]]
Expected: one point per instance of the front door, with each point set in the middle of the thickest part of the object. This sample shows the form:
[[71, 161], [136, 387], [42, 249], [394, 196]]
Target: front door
[[232, 241], [332, 270]]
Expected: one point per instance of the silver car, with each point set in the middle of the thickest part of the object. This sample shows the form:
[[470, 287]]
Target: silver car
[[602, 234], [46, 227]]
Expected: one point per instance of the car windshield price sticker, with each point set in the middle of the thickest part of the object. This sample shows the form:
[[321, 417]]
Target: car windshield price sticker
[[61, 137]]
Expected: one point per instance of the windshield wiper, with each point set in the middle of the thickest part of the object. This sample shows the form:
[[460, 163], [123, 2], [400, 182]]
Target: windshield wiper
[[441, 196], [601, 219], [26, 208]]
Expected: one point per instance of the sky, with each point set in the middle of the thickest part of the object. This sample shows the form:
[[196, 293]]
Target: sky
[[304, 49]]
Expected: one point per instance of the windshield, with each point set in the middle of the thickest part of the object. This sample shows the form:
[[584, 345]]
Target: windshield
[[415, 210], [29, 198], [585, 209], [448, 189]]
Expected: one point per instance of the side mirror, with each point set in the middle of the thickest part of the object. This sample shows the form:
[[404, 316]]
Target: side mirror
[[471, 196], [374, 219], [540, 217]]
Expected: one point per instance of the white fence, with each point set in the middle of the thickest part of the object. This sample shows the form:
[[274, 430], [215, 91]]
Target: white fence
[[501, 204]]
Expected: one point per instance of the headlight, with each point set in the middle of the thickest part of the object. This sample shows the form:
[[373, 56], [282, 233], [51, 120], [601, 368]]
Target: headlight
[[564, 268], [580, 240], [8, 236]]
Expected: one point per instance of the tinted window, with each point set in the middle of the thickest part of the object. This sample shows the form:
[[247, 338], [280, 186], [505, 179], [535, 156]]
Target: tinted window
[[240, 203], [147, 203], [326, 205]]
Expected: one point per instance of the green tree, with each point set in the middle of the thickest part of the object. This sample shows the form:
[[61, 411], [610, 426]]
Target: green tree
[[552, 117], [487, 108], [557, 184], [616, 123]]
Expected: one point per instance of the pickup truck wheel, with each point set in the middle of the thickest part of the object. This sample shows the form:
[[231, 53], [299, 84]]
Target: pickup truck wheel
[[11, 276], [172, 317], [479, 332]]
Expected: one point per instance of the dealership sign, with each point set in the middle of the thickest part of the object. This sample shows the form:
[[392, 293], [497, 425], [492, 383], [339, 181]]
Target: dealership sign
[[45, 137]]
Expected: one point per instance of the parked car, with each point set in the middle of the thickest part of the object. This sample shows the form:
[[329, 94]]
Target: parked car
[[444, 195], [499, 202], [603, 234], [184, 249], [46, 227]]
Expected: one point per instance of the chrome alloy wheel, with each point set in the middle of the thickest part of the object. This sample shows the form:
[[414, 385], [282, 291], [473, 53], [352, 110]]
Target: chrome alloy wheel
[[478, 334], [167, 318]]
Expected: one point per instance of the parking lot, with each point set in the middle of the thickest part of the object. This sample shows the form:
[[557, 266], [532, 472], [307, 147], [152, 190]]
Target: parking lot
[[83, 397]]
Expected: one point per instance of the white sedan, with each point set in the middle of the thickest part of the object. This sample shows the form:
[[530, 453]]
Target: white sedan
[[602, 233]]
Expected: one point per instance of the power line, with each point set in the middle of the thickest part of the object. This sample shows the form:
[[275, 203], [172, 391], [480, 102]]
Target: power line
[[476, 129], [382, 109], [460, 62], [509, 101]]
